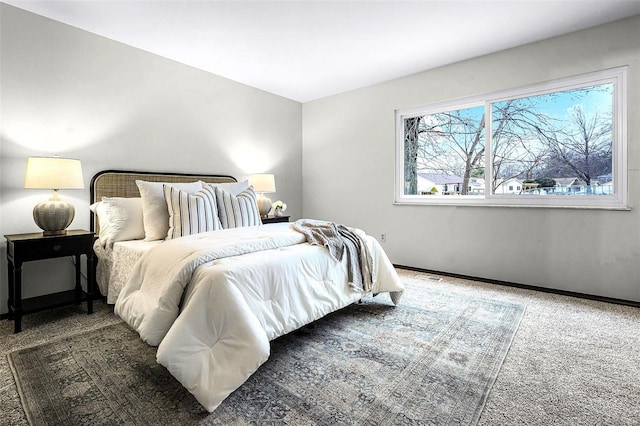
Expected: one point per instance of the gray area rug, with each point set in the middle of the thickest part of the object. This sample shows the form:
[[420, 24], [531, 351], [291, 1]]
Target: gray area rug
[[431, 360]]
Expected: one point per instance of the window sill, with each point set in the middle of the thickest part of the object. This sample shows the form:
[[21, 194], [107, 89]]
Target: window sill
[[491, 203]]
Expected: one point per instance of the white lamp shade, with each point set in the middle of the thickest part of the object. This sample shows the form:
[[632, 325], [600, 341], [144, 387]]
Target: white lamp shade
[[54, 215], [53, 173], [263, 182]]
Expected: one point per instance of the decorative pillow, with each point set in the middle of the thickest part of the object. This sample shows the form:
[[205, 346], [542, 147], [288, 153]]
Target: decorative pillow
[[239, 210], [120, 219], [233, 187], [154, 207], [191, 213]]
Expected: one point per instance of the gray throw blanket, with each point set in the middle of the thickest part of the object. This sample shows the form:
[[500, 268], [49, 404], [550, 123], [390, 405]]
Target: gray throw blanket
[[340, 240]]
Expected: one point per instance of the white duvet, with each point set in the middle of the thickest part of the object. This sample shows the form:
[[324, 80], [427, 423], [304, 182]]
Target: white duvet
[[213, 301]]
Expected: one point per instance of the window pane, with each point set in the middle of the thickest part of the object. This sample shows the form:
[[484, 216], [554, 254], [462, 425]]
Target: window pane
[[554, 144], [444, 153], [559, 143]]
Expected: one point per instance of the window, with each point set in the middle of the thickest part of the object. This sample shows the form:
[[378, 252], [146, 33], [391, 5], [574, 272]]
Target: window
[[556, 144]]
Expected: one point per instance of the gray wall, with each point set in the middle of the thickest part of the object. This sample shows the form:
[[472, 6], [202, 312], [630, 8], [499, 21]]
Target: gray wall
[[69, 92], [348, 175]]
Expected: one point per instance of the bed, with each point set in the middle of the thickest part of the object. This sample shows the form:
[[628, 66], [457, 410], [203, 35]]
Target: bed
[[220, 286]]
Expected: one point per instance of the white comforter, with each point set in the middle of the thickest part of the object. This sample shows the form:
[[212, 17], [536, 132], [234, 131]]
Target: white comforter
[[239, 288]]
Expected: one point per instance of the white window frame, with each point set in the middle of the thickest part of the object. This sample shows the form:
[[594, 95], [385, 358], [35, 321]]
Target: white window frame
[[618, 200]]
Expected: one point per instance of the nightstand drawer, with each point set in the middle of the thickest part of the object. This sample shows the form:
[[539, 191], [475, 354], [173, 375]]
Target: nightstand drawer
[[45, 248], [27, 247]]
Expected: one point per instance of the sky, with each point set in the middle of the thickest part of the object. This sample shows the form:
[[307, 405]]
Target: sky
[[591, 98]]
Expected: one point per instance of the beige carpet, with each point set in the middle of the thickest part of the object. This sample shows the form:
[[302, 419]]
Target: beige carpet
[[571, 362]]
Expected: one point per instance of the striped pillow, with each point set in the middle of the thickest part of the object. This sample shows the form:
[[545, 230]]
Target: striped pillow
[[239, 210], [191, 213]]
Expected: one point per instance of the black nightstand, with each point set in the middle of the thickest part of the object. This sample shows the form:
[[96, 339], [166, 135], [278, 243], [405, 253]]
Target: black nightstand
[[274, 219], [27, 247]]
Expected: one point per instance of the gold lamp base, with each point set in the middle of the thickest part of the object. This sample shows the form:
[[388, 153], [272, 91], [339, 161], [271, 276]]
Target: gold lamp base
[[52, 233], [54, 215]]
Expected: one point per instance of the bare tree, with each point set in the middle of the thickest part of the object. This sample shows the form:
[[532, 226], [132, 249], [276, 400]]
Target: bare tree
[[452, 143], [414, 130], [516, 152], [411, 134], [527, 142], [583, 147]]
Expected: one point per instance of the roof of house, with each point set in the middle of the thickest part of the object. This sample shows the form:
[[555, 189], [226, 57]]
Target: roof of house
[[569, 181], [441, 179]]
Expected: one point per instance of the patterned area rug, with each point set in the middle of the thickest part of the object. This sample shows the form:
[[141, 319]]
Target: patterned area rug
[[431, 360]]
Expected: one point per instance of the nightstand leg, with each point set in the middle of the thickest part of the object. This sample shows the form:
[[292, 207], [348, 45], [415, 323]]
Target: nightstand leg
[[17, 297], [10, 300], [91, 279], [78, 281]]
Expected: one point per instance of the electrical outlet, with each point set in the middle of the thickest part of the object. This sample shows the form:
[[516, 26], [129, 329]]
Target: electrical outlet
[[383, 237]]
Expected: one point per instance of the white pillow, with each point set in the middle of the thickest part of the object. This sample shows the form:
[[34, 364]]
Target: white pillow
[[239, 210], [233, 187], [191, 213], [120, 219], [154, 207]]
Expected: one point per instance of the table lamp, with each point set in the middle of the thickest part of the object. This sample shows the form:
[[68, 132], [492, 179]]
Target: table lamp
[[263, 183], [54, 215]]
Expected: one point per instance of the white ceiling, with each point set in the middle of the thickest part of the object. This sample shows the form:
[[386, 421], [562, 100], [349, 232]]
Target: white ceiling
[[308, 49]]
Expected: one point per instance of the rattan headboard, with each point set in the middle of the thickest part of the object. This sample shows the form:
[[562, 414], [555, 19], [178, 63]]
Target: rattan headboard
[[122, 183]]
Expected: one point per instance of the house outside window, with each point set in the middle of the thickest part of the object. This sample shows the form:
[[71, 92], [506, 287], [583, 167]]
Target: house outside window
[[556, 144]]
